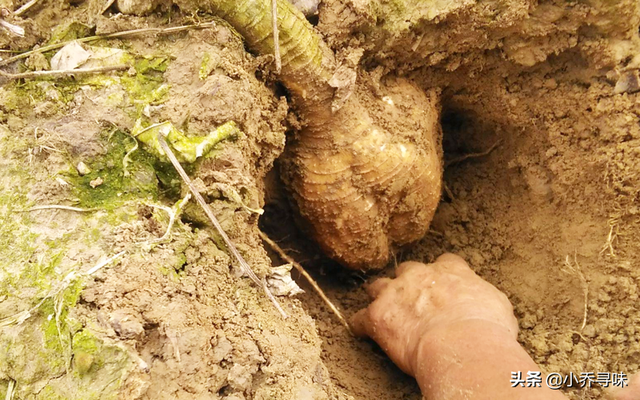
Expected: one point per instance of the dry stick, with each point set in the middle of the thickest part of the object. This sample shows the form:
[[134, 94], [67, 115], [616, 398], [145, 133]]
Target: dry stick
[[11, 386], [58, 207], [207, 210], [64, 72], [276, 35], [25, 7], [308, 277], [106, 6], [102, 264], [15, 29], [134, 32], [472, 155]]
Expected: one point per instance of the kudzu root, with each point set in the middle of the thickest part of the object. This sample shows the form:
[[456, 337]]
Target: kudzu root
[[366, 176]]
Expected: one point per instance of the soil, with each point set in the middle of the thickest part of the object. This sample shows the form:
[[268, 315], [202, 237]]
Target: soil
[[550, 215]]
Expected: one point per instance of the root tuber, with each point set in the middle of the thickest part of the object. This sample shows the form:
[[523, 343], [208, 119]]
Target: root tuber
[[365, 176]]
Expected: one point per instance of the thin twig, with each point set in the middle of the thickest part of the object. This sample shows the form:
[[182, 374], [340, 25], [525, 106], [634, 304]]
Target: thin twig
[[472, 155], [447, 190], [173, 212], [576, 269], [57, 207], [127, 158], [15, 29], [207, 210], [104, 263], [308, 277], [64, 72], [57, 308], [106, 6], [10, 388], [134, 32], [613, 223], [25, 7], [276, 34]]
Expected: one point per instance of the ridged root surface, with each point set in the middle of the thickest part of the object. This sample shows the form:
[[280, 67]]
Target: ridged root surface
[[364, 189], [366, 178]]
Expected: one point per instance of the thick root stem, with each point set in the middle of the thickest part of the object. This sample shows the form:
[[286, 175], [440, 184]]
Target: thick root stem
[[364, 185]]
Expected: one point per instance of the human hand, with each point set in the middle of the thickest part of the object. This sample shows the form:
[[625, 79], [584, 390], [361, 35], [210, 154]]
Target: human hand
[[631, 392], [424, 299]]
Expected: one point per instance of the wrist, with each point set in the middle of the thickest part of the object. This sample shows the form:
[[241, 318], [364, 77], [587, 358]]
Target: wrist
[[464, 353]]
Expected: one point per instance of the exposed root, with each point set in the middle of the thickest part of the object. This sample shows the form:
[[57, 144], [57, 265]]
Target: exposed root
[[106, 6], [471, 155], [276, 35], [104, 263], [63, 73], [134, 32], [42, 143], [15, 29], [10, 389], [577, 270], [127, 158], [173, 212], [308, 277], [25, 7], [207, 210], [231, 193], [57, 207], [446, 189], [57, 308], [612, 237]]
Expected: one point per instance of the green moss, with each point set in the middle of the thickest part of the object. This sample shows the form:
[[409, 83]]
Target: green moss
[[98, 371], [20, 97], [16, 240], [147, 86], [187, 148], [4, 386], [56, 329], [70, 31], [86, 353], [118, 185], [50, 394], [208, 64]]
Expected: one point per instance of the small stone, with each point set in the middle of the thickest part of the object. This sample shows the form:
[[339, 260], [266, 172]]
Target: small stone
[[550, 83], [628, 82], [37, 62], [83, 169], [96, 182], [307, 7], [82, 361], [126, 325], [222, 350], [589, 331]]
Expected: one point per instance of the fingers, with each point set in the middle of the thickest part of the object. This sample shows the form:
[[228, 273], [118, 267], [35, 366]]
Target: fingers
[[361, 323], [631, 392], [374, 289], [449, 258], [407, 266], [447, 261], [453, 263]]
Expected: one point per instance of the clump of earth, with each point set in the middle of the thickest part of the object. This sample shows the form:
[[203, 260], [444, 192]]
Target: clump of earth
[[541, 128]]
